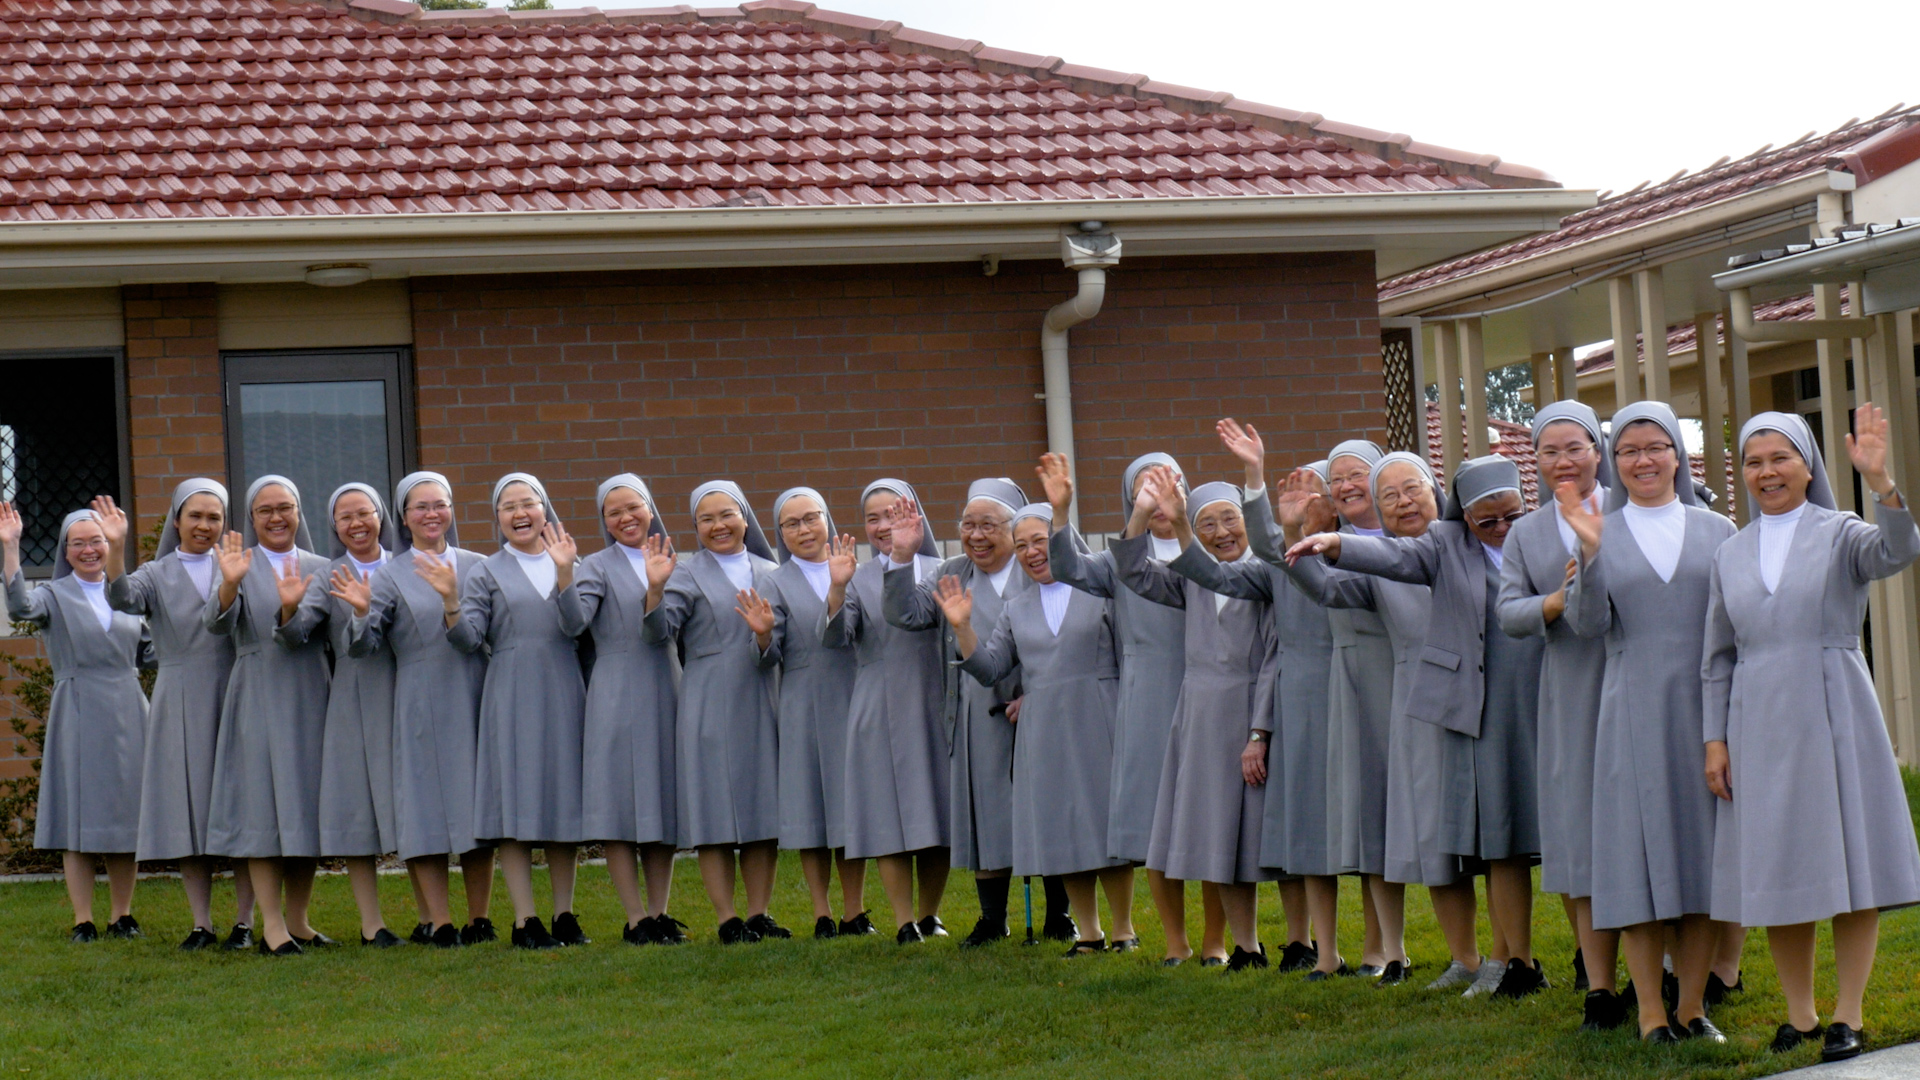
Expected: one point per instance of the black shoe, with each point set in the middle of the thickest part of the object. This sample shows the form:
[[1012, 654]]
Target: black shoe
[[240, 938], [124, 928], [478, 932], [764, 926], [668, 930], [1702, 1029], [1604, 1011], [1221, 961], [317, 941], [422, 933], [825, 928], [858, 926], [932, 927], [1717, 990], [1086, 948], [1580, 971], [1341, 972], [985, 932], [1173, 961], [1393, 974], [201, 938], [735, 931], [1521, 979], [1661, 1036], [532, 934], [566, 929], [382, 938], [1298, 956], [1842, 1043], [289, 947], [1061, 928], [1790, 1037], [1124, 945], [909, 934], [83, 933], [447, 937], [640, 933], [1242, 959]]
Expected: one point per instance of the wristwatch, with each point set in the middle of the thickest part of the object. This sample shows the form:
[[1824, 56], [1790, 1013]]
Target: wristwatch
[[1258, 736]]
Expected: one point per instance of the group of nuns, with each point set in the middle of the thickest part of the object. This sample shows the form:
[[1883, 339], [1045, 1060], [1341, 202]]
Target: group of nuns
[[1360, 674]]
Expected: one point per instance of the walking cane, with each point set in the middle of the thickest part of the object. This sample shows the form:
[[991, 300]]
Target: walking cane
[[1027, 887]]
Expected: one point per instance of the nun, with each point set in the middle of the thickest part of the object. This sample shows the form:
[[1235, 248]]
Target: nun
[[897, 745], [1488, 793], [816, 685], [96, 727], [1643, 591], [521, 605], [356, 749], [183, 721], [271, 599], [1153, 662], [1812, 822], [1208, 814], [1063, 642], [436, 707], [1570, 448], [980, 719], [727, 731], [628, 797]]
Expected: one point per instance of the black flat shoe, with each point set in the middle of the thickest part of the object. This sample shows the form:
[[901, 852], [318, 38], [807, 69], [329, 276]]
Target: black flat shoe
[[566, 929], [1172, 961], [83, 933], [1718, 990], [735, 931], [1789, 1038], [985, 932], [532, 934], [240, 938], [1394, 974], [1660, 1036], [909, 934], [1242, 959], [764, 926], [1298, 956], [1214, 961], [422, 934], [201, 938], [1061, 928], [1341, 972], [317, 941], [668, 930], [382, 938], [1086, 948], [1124, 945], [932, 927], [478, 932], [825, 928], [1842, 1043], [858, 926], [1603, 1011], [289, 947], [446, 937], [124, 928], [1580, 971], [1520, 980], [1702, 1029], [640, 933]]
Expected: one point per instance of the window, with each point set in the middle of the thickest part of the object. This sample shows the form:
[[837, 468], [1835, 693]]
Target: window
[[63, 441], [321, 418]]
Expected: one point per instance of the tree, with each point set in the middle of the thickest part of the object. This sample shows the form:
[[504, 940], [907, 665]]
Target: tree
[[1503, 393]]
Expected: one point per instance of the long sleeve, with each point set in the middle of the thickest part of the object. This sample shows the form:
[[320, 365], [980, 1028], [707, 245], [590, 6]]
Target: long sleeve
[[907, 602], [776, 641], [1092, 574], [469, 631], [1240, 580], [1717, 658], [215, 620], [1589, 611], [841, 630], [1521, 609], [1140, 573], [368, 632], [309, 618], [588, 592], [27, 605], [574, 619], [1414, 560], [1327, 586], [1269, 684], [132, 593], [1264, 535], [996, 657], [1884, 548], [663, 623]]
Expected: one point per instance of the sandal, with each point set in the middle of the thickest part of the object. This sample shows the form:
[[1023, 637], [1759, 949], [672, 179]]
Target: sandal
[[1086, 948]]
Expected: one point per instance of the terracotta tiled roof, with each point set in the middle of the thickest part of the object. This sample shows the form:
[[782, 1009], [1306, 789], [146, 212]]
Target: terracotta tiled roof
[[214, 108], [1865, 148], [1680, 338]]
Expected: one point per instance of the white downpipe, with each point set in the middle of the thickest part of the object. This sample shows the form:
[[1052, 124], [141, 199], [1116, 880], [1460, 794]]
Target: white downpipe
[[1740, 301], [1058, 381]]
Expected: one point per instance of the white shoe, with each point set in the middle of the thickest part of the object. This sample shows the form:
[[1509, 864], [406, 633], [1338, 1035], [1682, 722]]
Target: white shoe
[[1488, 980], [1456, 974]]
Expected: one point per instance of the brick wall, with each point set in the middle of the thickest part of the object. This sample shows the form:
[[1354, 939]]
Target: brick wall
[[832, 376], [173, 391], [12, 747]]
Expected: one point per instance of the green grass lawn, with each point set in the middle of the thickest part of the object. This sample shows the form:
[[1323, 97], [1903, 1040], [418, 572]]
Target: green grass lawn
[[850, 1007]]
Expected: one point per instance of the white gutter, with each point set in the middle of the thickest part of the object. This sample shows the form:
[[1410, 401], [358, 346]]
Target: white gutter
[[1740, 302], [1090, 249]]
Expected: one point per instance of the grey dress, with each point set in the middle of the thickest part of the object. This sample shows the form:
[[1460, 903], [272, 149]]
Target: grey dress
[[356, 752], [1063, 774], [96, 728], [981, 738], [183, 722], [816, 687], [897, 789], [436, 706], [1207, 819], [1571, 669], [1652, 841], [728, 736], [628, 789], [266, 764], [1153, 660], [1819, 824], [526, 784]]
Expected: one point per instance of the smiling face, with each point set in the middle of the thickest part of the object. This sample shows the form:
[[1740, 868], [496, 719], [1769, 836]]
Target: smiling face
[[626, 516], [276, 518], [1566, 453], [1347, 486], [357, 524], [521, 516], [1030, 547], [985, 536], [879, 533], [200, 523], [1490, 519], [1159, 524], [719, 524], [1645, 460], [429, 513], [803, 528], [1775, 472], [87, 550], [1221, 530], [1406, 500]]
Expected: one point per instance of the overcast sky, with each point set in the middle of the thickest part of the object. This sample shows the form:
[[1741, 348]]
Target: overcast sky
[[1601, 95]]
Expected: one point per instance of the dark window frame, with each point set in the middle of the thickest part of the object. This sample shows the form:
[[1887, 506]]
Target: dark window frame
[[116, 355], [354, 364]]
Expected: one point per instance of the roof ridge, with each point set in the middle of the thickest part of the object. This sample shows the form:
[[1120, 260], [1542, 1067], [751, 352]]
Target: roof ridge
[[1392, 147]]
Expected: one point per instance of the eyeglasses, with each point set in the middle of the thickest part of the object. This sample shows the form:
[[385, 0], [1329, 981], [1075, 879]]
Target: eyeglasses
[[75, 543], [526, 506], [276, 510], [1576, 454], [356, 516], [1651, 453], [981, 526], [804, 521], [1492, 523], [429, 508], [724, 517], [1392, 497]]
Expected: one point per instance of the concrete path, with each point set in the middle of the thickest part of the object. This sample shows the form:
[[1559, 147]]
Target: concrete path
[[1893, 1063]]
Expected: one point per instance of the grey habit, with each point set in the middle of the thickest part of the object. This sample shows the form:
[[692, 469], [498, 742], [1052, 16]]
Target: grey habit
[[176, 772], [897, 790], [436, 694], [1153, 661], [1571, 669], [1819, 823], [727, 731], [816, 687], [356, 753], [527, 771], [96, 727], [1652, 838], [628, 788], [982, 740], [266, 763]]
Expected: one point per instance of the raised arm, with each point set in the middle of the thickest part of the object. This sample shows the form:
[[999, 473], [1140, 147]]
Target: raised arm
[[1090, 573], [310, 609], [589, 590], [1138, 571], [766, 615], [467, 627], [1520, 608], [996, 658], [368, 632], [1327, 586], [1240, 580], [26, 605], [224, 603], [677, 599], [905, 601]]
